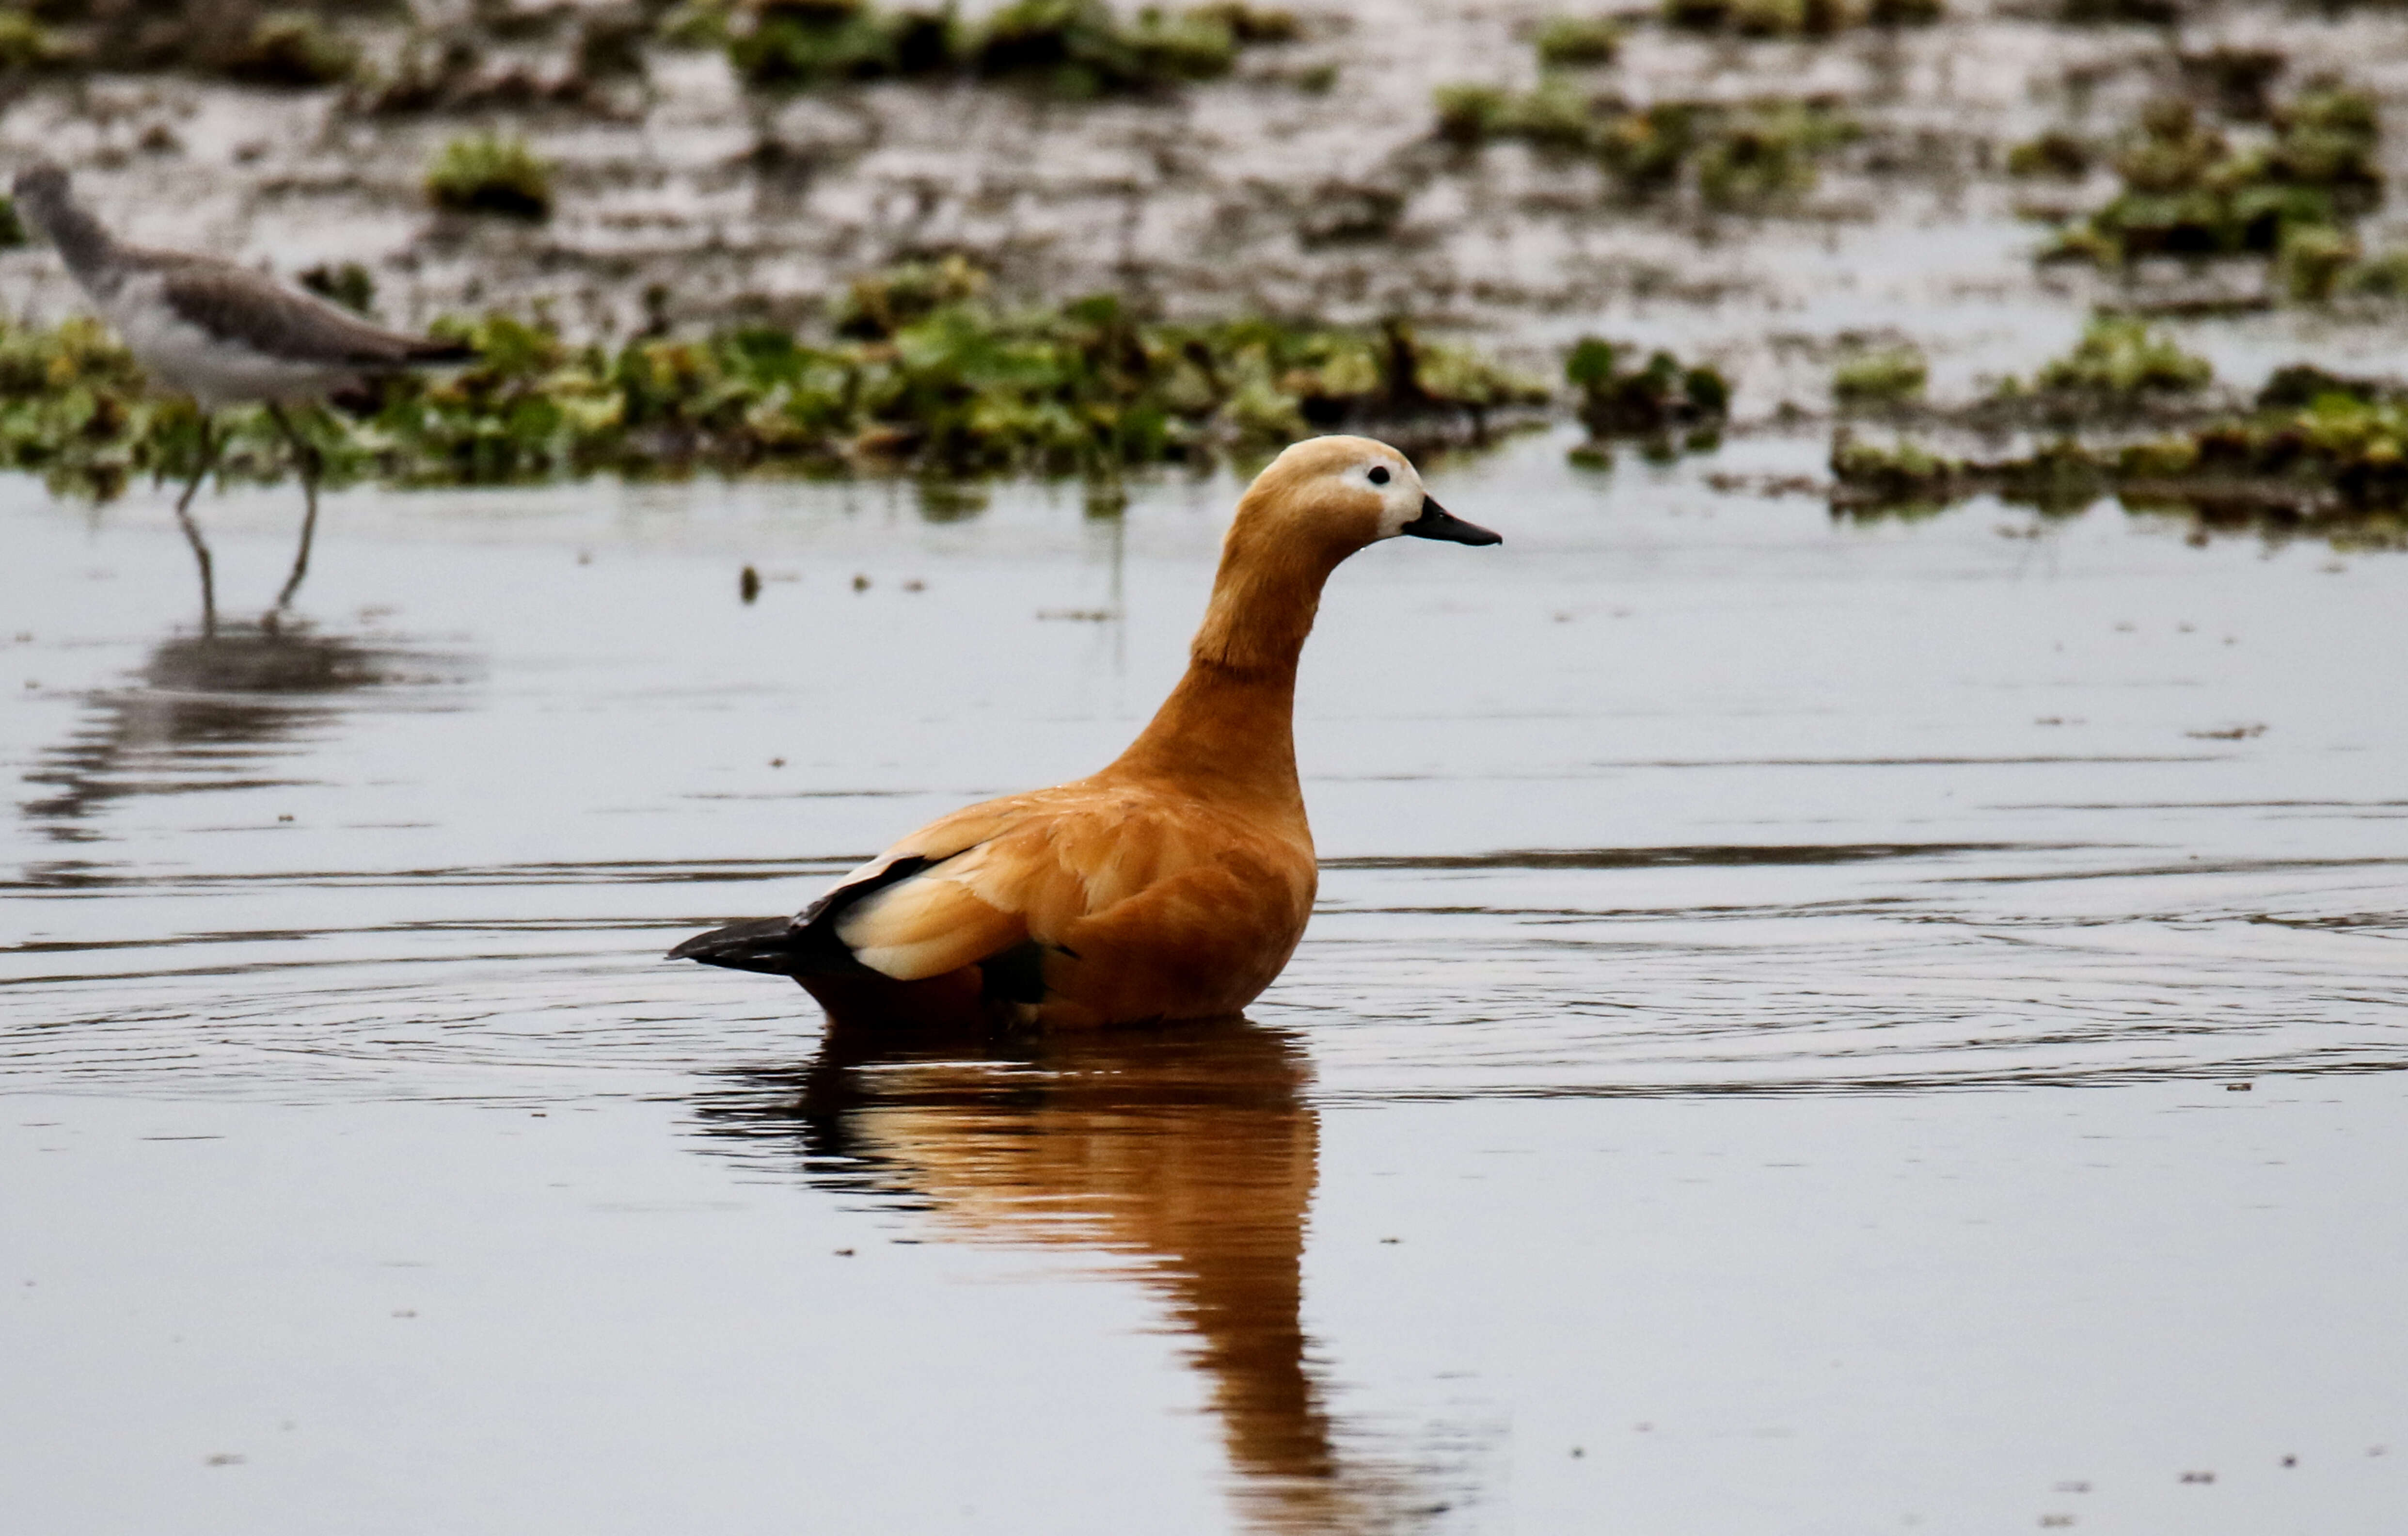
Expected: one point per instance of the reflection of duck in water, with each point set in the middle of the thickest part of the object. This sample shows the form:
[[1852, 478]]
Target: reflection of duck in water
[[208, 711], [1174, 883], [1191, 1148]]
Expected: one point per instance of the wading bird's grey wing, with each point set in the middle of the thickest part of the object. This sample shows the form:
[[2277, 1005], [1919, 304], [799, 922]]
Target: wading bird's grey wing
[[232, 304]]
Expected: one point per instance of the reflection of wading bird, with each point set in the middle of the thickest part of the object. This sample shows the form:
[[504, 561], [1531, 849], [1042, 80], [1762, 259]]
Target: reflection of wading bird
[[226, 335], [1174, 883]]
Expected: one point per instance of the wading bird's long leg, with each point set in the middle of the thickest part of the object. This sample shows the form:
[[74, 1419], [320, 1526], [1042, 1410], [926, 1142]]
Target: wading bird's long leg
[[193, 530], [305, 458]]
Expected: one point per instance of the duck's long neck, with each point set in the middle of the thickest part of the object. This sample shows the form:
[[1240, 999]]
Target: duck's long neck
[[1228, 728]]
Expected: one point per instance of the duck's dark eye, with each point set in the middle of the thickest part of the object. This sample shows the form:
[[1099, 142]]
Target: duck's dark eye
[[1379, 474]]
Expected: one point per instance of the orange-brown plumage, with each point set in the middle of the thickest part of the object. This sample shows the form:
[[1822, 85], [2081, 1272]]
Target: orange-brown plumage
[[1172, 884]]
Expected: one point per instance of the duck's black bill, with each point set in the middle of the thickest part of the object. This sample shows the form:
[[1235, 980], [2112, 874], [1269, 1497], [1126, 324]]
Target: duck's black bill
[[1436, 522]]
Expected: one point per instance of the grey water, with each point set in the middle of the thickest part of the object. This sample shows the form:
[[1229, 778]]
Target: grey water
[[1810, 1027]]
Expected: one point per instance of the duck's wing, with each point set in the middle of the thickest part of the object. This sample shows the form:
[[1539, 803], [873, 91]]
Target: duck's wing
[[1082, 873], [810, 942], [1077, 871], [916, 910], [987, 879]]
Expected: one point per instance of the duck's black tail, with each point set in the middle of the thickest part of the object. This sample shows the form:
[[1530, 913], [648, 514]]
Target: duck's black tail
[[770, 945]]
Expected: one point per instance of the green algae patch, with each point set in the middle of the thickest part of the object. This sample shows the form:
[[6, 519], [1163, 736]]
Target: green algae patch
[[2316, 453], [491, 173], [1796, 18], [1577, 42], [1890, 377], [291, 49], [1670, 407], [2127, 413], [2054, 153], [26, 45], [2121, 357], [2192, 187], [1731, 154], [1075, 49], [927, 378]]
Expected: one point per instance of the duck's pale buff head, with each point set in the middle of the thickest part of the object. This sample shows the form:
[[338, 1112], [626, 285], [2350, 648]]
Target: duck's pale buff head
[[1338, 495]]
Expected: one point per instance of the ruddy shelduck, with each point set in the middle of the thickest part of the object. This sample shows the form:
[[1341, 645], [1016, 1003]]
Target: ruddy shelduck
[[1175, 883]]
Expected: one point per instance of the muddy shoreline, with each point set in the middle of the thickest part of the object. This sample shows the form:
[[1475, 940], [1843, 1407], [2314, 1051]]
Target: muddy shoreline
[[686, 201]]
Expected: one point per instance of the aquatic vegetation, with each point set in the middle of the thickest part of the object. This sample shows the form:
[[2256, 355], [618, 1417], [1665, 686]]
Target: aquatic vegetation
[[1796, 18], [2316, 452], [1889, 377], [1571, 42], [2120, 372], [2238, 80], [878, 303], [74, 409], [26, 44], [2188, 191], [348, 284], [2313, 260], [1732, 153], [810, 42], [1649, 402], [2052, 153], [1074, 49], [1756, 155], [2382, 276], [489, 173], [927, 378], [2123, 12], [1252, 23], [290, 49], [2057, 477], [2121, 356]]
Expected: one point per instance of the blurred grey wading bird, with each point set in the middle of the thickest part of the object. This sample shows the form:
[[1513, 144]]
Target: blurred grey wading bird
[[226, 335]]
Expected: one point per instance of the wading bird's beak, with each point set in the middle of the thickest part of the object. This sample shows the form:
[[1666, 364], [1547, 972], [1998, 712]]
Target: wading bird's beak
[[1436, 522]]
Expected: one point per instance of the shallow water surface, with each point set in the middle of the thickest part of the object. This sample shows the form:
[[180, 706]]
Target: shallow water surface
[[1809, 1028]]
